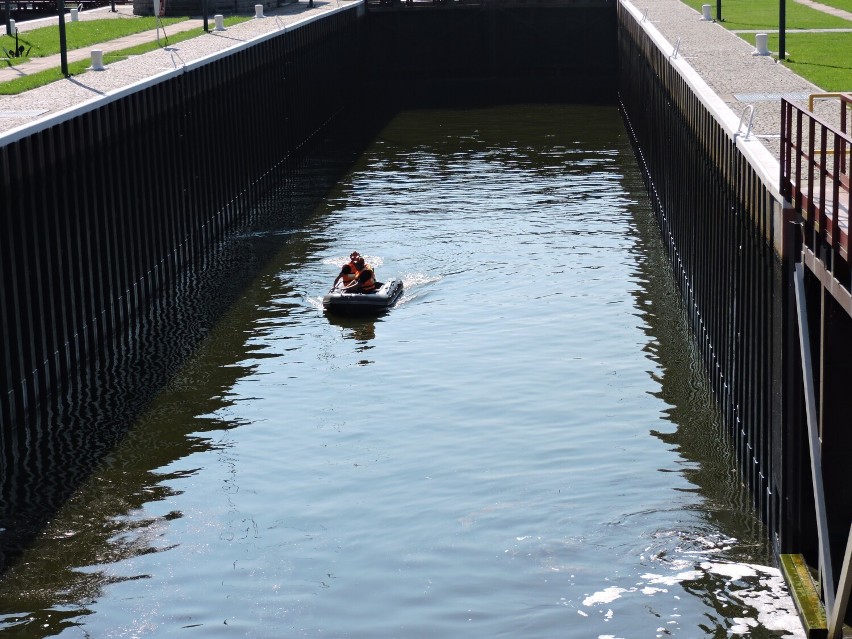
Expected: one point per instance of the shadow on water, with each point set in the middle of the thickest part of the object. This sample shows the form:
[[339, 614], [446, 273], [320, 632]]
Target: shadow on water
[[44, 460]]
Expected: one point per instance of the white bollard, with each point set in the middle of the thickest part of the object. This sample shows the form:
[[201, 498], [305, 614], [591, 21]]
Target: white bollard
[[75, 15], [97, 60], [706, 10], [258, 11], [12, 28], [760, 44], [220, 22]]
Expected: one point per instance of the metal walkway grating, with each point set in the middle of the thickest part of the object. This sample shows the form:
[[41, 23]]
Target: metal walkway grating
[[767, 97]]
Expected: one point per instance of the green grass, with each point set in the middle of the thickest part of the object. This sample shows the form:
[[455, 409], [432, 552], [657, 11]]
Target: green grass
[[45, 41], [763, 14], [815, 56], [26, 83], [846, 5], [821, 58]]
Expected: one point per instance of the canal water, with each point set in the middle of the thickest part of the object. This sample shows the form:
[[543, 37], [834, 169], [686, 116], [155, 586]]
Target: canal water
[[525, 446]]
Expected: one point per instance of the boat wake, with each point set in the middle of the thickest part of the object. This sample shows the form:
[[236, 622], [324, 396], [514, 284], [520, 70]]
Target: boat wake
[[374, 260], [416, 286]]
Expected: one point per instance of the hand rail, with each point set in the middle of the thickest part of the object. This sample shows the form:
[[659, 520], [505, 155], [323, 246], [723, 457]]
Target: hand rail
[[817, 184], [845, 98]]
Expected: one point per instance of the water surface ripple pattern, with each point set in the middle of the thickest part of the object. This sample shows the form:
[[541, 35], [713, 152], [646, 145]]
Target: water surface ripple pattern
[[523, 447]]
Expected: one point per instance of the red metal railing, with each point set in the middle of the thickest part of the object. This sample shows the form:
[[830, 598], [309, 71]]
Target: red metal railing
[[815, 163]]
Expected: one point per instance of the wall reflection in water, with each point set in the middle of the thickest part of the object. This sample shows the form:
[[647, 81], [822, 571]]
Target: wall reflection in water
[[52, 454]]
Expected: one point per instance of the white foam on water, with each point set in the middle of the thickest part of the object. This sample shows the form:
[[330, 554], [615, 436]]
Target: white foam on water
[[732, 571], [606, 595], [742, 625], [755, 587], [338, 261], [765, 592], [671, 580]]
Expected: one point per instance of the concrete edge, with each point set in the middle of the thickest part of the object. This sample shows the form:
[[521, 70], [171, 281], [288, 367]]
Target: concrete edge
[[763, 162], [268, 36], [13, 135], [805, 596]]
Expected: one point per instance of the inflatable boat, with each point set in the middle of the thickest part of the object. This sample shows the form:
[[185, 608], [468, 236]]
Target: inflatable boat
[[383, 298]]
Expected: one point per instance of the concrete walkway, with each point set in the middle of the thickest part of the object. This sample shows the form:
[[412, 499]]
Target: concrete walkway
[[834, 11]]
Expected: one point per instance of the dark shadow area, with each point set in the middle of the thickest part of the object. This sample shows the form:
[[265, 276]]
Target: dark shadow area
[[475, 56]]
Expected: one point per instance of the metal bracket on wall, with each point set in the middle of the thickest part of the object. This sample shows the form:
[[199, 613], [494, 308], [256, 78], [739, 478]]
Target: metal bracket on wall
[[676, 48]]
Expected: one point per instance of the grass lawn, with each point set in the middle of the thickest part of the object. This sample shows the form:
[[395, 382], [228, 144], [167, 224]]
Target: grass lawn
[[816, 57], [763, 14], [45, 41], [19, 85]]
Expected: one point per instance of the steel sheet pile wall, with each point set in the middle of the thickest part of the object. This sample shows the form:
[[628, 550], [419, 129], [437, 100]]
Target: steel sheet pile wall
[[424, 53], [106, 208], [716, 217]]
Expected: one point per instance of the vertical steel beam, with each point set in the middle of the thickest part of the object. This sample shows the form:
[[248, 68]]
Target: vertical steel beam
[[827, 578]]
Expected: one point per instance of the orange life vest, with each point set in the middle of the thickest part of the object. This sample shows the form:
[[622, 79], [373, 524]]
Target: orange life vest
[[351, 275], [369, 285]]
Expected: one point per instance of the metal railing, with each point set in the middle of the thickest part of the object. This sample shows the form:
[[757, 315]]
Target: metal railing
[[815, 163]]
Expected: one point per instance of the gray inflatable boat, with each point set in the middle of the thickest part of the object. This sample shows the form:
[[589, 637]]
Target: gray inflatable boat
[[383, 298]]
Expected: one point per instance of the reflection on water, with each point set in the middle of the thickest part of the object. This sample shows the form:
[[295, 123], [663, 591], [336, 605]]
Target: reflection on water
[[55, 450], [524, 446], [361, 328], [45, 459]]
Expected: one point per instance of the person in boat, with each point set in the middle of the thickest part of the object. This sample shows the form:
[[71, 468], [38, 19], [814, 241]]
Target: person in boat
[[349, 272], [366, 280]]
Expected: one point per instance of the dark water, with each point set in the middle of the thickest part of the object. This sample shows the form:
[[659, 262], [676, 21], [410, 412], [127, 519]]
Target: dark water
[[524, 447]]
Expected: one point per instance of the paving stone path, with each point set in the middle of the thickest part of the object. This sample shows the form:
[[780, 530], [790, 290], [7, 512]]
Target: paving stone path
[[840, 13]]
